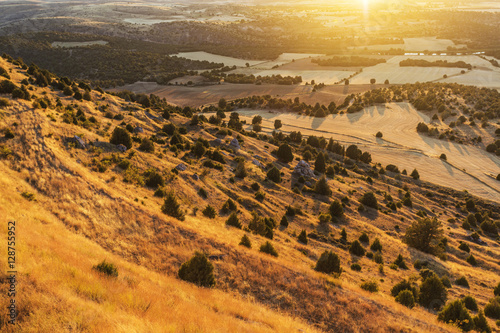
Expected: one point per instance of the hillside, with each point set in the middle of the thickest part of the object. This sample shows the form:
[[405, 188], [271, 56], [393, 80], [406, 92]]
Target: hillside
[[76, 207]]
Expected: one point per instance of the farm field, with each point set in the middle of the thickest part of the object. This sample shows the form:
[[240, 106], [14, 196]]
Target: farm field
[[78, 44], [202, 95], [467, 167], [480, 78], [227, 61], [320, 76], [402, 75], [414, 44]]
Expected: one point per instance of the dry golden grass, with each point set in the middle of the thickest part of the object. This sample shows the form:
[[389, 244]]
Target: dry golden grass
[[82, 217]]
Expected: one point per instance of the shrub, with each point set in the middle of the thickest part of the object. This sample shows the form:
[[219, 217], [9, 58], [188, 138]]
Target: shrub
[[369, 199], [376, 246], [456, 313], [171, 207], [480, 323], [322, 187], [356, 267], [492, 309], [471, 260], [124, 164], [4, 102], [28, 196], [153, 179], [284, 221], [414, 174], [274, 175], [422, 128], [371, 286], [462, 281], [303, 237], [379, 134], [121, 136], [336, 209], [496, 290], [198, 270], [378, 258], [470, 303], [160, 193], [228, 206], [400, 262], [424, 235], [343, 234], [245, 241], [284, 153], [405, 297], [432, 292], [106, 268], [268, 248], [464, 247], [328, 263], [233, 221], [262, 226], [241, 171], [320, 165], [357, 249], [209, 212], [255, 186], [364, 238], [203, 193], [404, 285], [443, 157], [446, 281], [260, 196]]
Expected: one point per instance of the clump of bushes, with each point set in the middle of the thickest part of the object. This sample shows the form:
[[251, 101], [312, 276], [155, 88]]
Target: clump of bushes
[[456, 313], [106, 268], [209, 212], [171, 207], [462, 281], [371, 286], [357, 249], [303, 237], [268, 248], [233, 221], [198, 270], [369, 199], [245, 241], [328, 263]]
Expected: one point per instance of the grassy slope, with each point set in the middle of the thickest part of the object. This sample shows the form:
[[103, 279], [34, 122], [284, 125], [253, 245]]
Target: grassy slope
[[81, 217]]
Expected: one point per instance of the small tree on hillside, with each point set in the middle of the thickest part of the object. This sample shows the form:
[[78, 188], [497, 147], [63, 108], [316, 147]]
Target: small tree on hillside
[[415, 174], [432, 292], [322, 187], [198, 270], [328, 263], [320, 165], [424, 235], [172, 208], [285, 154], [369, 199], [121, 136], [277, 124], [274, 175]]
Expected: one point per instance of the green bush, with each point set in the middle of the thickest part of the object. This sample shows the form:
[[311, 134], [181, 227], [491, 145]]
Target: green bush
[[228, 206], [378, 258], [481, 324], [492, 309], [268, 248], [462, 281], [209, 212], [121, 136], [471, 260], [400, 262], [464, 247], [255, 186], [424, 235], [376, 246], [369, 199], [147, 146], [356, 267], [171, 207], [371, 286], [320, 165], [321, 187], [245, 241], [328, 263], [160, 193], [336, 209], [496, 290], [260, 196], [432, 292], [303, 237], [446, 281], [404, 285], [284, 153], [153, 179], [274, 175], [415, 174], [405, 297], [233, 221], [364, 238], [470, 303], [284, 221], [456, 313], [357, 249], [106, 268], [198, 270]]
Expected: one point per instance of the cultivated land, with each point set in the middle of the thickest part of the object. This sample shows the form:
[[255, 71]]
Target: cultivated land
[[467, 168]]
